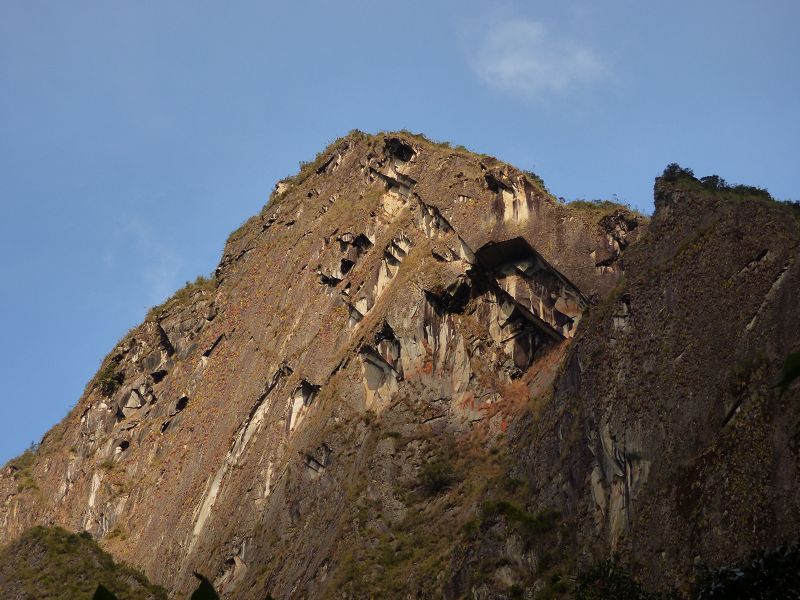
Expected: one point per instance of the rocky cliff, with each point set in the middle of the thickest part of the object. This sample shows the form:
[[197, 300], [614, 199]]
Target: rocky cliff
[[417, 374]]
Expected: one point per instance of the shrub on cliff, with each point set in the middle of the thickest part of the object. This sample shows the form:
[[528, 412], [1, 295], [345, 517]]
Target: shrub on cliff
[[609, 579], [109, 379], [674, 171], [711, 183], [774, 574], [435, 477], [50, 562]]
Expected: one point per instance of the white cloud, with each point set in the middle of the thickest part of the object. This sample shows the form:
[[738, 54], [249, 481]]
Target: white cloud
[[521, 57]]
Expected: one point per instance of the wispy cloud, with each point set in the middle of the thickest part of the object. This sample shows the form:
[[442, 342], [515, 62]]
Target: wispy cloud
[[522, 57], [161, 264]]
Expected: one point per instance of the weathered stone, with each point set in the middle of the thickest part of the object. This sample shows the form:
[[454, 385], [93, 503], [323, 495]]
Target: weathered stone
[[452, 390]]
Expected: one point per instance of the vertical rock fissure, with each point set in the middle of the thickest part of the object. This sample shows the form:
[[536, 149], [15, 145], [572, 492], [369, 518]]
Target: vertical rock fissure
[[241, 440]]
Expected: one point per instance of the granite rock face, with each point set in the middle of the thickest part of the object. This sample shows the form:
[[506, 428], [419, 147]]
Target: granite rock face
[[417, 374]]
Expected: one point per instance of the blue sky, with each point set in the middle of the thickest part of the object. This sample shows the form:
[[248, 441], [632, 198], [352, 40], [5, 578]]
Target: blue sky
[[134, 136]]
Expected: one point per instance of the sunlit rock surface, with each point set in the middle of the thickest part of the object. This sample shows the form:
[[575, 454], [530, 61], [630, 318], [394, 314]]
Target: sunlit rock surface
[[417, 374]]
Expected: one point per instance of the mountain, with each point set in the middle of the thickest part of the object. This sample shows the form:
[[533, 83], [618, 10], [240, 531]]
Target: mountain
[[417, 374]]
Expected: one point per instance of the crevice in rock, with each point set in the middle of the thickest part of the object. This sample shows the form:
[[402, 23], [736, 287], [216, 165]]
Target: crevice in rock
[[330, 165], [431, 220], [301, 399], [242, 254], [313, 464], [377, 369], [452, 299], [621, 315], [399, 184], [213, 346], [318, 460], [752, 265], [328, 280], [732, 412], [397, 249], [240, 442], [618, 226], [495, 254], [345, 265], [267, 223], [362, 243], [163, 339], [387, 346], [400, 150], [282, 372], [769, 295], [608, 261], [341, 365], [354, 246], [385, 333], [533, 285], [355, 315], [211, 311], [495, 184]]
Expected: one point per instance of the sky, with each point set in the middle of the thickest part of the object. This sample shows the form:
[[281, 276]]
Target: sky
[[135, 136]]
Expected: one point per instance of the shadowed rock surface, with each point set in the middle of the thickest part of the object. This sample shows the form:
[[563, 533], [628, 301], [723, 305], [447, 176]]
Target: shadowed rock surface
[[417, 374], [49, 562]]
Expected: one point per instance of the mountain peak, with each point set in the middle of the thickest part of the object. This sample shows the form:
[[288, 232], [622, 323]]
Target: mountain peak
[[417, 372]]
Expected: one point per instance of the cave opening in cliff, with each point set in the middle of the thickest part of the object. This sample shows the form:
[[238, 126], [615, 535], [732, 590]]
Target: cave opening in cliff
[[400, 150]]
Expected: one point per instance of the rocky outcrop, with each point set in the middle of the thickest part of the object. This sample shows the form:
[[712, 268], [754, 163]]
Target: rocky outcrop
[[666, 441], [414, 374]]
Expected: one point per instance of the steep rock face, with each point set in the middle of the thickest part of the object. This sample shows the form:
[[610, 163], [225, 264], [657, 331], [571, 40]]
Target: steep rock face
[[415, 374], [666, 441], [396, 304]]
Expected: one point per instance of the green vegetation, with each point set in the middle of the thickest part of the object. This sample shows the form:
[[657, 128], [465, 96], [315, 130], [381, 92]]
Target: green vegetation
[[420, 137], [309, 168], [24, 460], [609, 579], [109, 378], [599, 205], [50, 562], [711, 183], [182, 296], [766, 575], [21, 468], [674, 172], [204, 591], [556, 587], [102, 593], [715, 186], [537, 180], [435, 477], [529, 526], [791, 371]]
